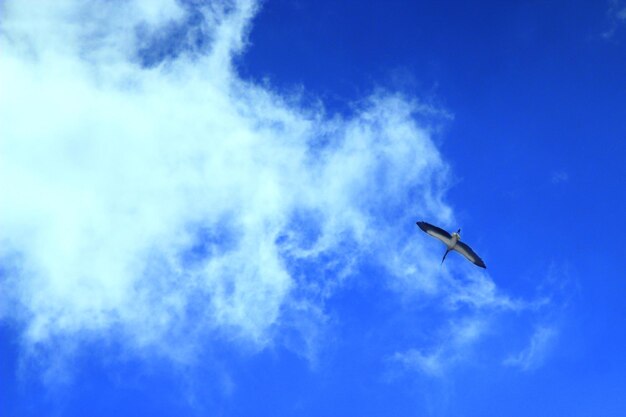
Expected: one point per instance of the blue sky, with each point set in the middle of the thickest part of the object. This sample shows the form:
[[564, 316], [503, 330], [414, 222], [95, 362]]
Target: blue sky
[[209, 208]]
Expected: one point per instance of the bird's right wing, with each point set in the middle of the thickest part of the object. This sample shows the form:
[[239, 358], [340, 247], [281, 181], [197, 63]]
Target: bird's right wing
[[466, 251], [435, 231]]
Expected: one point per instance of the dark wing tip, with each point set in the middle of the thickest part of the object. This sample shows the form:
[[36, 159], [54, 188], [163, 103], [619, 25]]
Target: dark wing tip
[[422, 225], [478, 261], [434, 231]]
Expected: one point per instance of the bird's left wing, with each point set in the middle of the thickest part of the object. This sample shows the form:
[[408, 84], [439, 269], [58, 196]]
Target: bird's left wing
[[435, 231], [466, 251]]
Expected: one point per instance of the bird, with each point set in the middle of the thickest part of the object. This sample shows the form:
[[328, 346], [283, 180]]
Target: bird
[[452, 242]]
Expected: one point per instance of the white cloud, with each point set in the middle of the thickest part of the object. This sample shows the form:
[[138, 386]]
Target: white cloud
[[454, 346], [559, 177], [617, 9], [535, 353], [616, 15], [472, 306], [171, 202], [480, 292]]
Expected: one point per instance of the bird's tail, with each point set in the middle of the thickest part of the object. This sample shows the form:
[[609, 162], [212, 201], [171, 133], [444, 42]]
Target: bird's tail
[[444, 256]]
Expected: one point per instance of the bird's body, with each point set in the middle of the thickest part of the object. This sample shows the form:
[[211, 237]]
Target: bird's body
[[452, 242]]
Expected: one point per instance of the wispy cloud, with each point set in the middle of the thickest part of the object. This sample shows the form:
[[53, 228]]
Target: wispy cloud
[[152, 195], [559, 177], [474, 308], [159, 198], [535, 353], [616, 14], [455, 346], [617, 9], [479, 292]]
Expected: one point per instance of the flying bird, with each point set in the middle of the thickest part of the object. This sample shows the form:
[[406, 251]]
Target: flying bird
[[452, 242]]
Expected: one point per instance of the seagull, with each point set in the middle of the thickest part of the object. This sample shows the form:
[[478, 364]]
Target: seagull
[[453, 242]]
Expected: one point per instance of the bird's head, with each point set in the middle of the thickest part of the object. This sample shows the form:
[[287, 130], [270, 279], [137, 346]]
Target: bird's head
[[457, 234]]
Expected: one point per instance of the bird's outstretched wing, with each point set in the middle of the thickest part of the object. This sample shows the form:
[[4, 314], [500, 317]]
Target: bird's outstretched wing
[[466, 251], [434, 231]]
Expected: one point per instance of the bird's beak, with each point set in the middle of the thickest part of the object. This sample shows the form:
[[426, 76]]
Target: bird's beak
[[459, 231]]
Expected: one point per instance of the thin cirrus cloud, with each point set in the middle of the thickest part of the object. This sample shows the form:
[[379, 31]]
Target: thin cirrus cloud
[[176, 198], [559, 177], [535, 353], [457, 343], [151, 194], [616, 15], [473, 309]]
